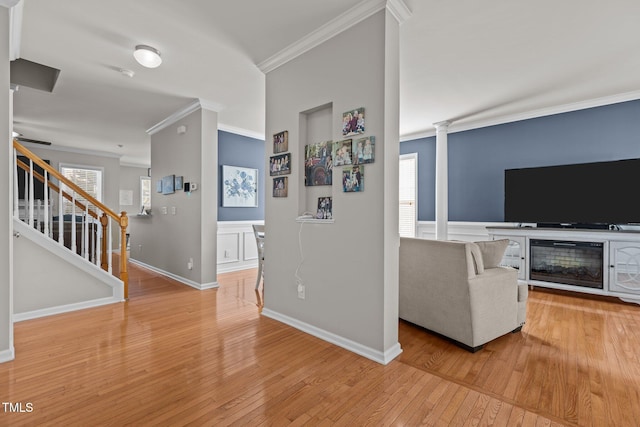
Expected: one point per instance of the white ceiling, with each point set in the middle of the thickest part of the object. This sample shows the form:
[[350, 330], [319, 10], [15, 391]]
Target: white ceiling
[[467, 61]]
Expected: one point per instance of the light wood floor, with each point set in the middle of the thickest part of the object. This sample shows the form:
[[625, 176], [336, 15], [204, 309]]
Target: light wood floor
[[176, 356]]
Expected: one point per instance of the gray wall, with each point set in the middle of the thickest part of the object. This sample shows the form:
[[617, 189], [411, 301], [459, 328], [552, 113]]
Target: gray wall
[[130, 180], [238, 150], [350, 278], [168, 241], [478, 157], [6, 278]]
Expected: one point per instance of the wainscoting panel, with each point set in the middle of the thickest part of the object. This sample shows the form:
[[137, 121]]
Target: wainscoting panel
[[465, 231], [236, 246]]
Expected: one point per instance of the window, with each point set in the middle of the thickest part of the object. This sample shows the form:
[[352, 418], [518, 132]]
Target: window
[[145, 192], [408, 194], [87, 178]]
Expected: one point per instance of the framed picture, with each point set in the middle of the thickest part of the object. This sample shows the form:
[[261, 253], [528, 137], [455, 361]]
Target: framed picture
[[178, 183], [342, 153], [159, 186], [280, 164], [168, 184], [353, 179], [281, 186], [363, 150], [318, 166], [281, 142], [239, 187], [353, 122], [324, 208]]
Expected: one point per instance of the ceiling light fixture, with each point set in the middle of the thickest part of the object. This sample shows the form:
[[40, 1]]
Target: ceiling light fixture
[[147, 56], [16, 134]]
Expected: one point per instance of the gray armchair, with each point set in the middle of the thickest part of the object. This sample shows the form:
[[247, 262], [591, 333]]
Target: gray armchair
[[446, 288]]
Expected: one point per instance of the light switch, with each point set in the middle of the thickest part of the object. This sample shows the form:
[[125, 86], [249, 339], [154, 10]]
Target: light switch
[[173, 210]]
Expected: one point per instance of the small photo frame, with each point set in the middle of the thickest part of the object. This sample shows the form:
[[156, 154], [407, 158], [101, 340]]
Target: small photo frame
[[342, 152], [353, 122], [280, 164], [168, 184], [353, 179], [281, 142], [324, 208], [178, 183], [318, 164], [364, 150], [281, 186]]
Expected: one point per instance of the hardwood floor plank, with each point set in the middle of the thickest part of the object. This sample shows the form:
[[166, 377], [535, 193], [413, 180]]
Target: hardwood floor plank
[[173, 356]]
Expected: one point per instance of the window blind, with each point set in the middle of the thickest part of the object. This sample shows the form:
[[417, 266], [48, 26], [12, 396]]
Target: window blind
[[407, 195]]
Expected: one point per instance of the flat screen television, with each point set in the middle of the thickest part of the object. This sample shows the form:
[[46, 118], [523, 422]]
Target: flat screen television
[[577, 194]]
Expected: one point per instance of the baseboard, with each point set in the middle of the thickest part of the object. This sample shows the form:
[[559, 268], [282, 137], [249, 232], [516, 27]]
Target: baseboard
[[19, 317], [7, 355], [368, 352], [185, 281]]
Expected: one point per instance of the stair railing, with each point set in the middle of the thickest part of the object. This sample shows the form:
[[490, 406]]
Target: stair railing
[[93, 218]]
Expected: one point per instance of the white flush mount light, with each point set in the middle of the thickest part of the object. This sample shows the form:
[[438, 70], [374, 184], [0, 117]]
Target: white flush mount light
[[16, 134], [147, 56]]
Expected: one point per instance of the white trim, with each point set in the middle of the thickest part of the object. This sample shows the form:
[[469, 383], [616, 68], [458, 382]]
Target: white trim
[[241, 132], [180, 279], [350, 18], [50, 311], [7, 355], [184, 112], [15, 28], [135, 165], [368, 352], [399, 10], [534, 114], [32, 146]]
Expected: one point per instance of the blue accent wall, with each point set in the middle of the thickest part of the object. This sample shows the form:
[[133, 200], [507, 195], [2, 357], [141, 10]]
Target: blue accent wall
[[426, 149], [478, 157], [238, 150]]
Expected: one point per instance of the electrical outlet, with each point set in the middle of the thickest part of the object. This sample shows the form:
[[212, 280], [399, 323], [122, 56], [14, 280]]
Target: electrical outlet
[[301, 291], [190, 264]]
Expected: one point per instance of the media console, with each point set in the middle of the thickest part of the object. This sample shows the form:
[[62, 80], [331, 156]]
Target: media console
[[601, 262]]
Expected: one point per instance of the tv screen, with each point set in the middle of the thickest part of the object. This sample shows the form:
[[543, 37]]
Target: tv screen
[[38, 186], [587, 193]]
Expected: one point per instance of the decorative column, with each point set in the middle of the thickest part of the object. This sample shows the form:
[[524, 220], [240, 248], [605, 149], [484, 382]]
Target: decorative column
[[442, 181]]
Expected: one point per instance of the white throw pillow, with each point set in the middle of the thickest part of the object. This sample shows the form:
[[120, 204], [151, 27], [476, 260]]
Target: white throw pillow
[[492, 252]]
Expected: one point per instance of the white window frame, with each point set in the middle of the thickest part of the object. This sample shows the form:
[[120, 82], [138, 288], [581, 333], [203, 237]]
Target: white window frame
[[142, 191], [410, 156]]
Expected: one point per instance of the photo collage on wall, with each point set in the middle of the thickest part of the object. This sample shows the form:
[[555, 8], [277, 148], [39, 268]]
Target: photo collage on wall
[[280, 164], [354, 153]]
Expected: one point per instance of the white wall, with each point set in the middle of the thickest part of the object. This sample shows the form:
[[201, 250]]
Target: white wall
[[350, 269], [61, 282], [166, 241], [6, 228]]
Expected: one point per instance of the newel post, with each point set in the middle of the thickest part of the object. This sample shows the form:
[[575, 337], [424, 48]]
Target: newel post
[[124, 274], [104, 221]]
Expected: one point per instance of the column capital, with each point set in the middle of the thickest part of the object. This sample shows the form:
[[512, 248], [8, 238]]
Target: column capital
[[443, 125]]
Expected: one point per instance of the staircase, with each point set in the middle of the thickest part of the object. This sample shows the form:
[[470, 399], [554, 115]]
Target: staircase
[[73, 236]]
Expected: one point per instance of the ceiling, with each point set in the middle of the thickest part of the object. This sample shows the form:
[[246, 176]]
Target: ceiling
[[473, 63]]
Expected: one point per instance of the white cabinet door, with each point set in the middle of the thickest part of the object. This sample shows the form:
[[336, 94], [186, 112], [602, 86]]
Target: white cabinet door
[[624, 267], [514, 256]]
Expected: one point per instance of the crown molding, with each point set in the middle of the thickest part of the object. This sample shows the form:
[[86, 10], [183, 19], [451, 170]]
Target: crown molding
[[241, 131], [351, 17], [181, 114], [399, 10], [534, 114]]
